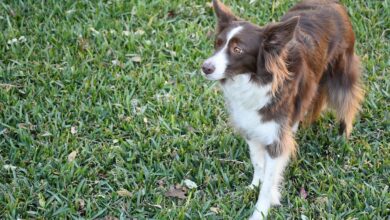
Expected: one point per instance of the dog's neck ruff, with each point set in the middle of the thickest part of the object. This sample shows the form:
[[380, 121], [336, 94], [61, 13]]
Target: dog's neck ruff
[[241, 90], [244, 99]]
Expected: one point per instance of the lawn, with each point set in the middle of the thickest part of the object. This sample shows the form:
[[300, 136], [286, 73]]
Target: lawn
[[103, 111]]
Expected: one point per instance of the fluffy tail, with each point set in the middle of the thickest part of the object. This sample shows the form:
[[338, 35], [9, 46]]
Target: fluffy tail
[[345, 91]]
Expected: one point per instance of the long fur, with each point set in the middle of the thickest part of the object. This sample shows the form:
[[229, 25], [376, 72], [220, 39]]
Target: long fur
[[276, 64]]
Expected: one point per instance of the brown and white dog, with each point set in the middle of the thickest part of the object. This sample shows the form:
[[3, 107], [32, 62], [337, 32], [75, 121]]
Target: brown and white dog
[[274, 76]]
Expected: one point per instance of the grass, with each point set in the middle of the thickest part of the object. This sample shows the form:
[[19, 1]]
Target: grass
[[118, 82]]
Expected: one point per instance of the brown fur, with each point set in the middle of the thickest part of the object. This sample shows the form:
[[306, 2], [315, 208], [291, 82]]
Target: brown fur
[[286, 144], [295, 68], [308, 57], [275, 42], [224, 14], [276, 64], [322, 63]]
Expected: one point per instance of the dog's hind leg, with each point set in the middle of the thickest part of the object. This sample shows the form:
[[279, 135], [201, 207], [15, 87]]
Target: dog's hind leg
[[318, 105], [345, 91]]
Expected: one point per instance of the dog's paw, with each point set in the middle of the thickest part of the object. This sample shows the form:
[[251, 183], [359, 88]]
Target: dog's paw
[[255, 182], [251, 187], [257, 216], [261, 209], [275, 198]]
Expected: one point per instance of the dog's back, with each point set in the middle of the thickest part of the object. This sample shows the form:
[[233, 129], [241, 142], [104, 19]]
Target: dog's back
[[328, 25], [325, 49]]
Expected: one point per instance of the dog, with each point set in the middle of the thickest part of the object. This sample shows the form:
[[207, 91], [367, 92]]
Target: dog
[[275, 76]]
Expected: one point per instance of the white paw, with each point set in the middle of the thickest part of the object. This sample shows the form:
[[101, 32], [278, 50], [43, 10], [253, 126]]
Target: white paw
[[251, 186], [257, 216], [261, 210], [255, 182], [275, 197]]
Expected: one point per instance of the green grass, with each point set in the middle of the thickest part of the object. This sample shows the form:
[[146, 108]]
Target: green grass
[[145, 126]]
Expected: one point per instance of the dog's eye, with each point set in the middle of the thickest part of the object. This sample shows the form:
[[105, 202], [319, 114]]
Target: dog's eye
[[237, 50]]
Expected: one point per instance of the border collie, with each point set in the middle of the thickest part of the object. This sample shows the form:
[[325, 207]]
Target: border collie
[[277, 75]]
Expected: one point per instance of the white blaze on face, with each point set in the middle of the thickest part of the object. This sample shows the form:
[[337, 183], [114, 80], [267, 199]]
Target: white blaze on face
[[220, 59]]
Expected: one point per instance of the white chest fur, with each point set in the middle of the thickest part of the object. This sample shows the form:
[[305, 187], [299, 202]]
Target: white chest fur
[[244, 100]]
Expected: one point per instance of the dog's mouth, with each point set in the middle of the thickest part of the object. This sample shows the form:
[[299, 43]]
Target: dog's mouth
[[227, 74], [214, 77]]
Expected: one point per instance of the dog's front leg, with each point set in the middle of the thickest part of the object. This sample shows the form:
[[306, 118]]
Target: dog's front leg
[[269, 193], [257, 153]]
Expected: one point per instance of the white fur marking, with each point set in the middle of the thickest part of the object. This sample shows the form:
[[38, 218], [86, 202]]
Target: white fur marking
[[220, 60], [257, 153], [244, 99], [295, 127], [269, 193]]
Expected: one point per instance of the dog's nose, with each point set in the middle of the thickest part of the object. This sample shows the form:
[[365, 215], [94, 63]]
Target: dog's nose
[[208, 68]]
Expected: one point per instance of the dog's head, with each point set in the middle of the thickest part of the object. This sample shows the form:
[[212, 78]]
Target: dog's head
[[242, 47]]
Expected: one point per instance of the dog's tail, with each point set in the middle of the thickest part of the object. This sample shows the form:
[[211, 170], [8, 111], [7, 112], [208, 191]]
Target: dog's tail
[[345, 93]]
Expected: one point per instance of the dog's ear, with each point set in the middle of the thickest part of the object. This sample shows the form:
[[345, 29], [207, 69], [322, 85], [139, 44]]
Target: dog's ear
[[277, 35], [273, 52], [224, 15]]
